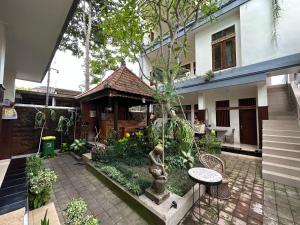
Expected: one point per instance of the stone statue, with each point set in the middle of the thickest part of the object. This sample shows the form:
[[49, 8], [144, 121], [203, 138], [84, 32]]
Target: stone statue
[[157, 170]]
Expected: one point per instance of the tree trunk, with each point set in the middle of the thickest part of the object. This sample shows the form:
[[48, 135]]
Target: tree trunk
[[87, 49], [87, 66]]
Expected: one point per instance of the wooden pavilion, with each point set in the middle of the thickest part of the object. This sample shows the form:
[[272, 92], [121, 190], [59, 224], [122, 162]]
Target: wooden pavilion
[[108, 105]]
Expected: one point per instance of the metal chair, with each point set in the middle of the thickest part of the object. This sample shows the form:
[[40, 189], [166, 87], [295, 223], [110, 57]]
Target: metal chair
[[215, 163]]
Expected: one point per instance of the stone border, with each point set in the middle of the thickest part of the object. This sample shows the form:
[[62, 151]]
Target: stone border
[[152, 213], [77, 157]]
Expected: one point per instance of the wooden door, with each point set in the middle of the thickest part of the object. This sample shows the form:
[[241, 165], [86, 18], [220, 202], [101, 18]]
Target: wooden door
[[248, 129]]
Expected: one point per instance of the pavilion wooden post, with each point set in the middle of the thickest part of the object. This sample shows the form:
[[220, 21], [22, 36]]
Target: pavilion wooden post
[[116, 114], [148, 115]]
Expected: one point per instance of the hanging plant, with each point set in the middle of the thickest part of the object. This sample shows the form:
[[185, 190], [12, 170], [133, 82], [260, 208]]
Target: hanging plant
[[40, 119], [276, 9]]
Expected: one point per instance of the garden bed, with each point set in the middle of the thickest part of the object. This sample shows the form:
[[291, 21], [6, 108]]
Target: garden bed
[[136, 178], [162, 214]]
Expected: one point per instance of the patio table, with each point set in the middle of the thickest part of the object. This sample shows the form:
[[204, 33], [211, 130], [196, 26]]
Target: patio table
[[207, 177]]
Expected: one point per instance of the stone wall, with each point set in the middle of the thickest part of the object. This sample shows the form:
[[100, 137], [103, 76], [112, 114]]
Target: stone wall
[[21, 137]]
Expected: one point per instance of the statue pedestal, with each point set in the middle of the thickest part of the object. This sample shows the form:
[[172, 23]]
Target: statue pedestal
[[157, 198]]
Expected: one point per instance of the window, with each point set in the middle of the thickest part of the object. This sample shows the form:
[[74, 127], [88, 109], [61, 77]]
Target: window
[[223, 49], [222, 113]]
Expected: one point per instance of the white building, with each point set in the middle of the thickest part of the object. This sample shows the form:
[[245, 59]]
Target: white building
[[240, 47]]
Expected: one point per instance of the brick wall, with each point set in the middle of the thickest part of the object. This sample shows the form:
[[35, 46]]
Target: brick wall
[[22, 138]]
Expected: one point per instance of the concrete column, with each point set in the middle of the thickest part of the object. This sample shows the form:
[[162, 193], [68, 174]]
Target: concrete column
[[53, 101], [262, 94], [192, 68], [201, 101], [2, 51]]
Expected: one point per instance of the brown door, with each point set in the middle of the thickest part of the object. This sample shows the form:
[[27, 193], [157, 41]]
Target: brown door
[[248, 132], [248, 128]]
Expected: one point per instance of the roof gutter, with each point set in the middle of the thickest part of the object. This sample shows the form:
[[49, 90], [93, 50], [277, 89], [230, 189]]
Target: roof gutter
[[64, 28], [227, 7]]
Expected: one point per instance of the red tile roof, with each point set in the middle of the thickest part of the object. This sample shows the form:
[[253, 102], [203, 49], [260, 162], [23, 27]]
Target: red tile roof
[[123, 80]]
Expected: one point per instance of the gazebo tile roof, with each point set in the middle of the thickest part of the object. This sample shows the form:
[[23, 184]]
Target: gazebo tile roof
[[123, 80]]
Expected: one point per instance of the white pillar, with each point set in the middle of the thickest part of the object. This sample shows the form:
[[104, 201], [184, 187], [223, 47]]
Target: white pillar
[[192, 115], [201, 102], [2, 51], [262, 94], [53, 101], [192, 68]]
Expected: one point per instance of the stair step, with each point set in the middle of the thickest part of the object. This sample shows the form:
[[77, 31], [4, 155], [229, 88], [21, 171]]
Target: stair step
[[16, 197], [281, 152], [12, 190], [13, 182], [13, 206], [293, 133], [278, 168], [281, 127], [281, 122], [281, 178], [284, 160], [281, 144], [281, 138]]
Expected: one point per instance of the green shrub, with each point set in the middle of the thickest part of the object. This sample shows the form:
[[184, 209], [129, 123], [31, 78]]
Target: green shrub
[[174, 161], [154, 133], [76, 214], [210, 144], [33, 165], [208, 75], [115, 174], [120, 147], [40, 186], [79, 146], [136, 145], [65, 147], [112, 137]]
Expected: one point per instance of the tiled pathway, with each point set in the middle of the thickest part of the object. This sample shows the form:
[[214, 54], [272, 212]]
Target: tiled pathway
[[75, 181], [253, 200]]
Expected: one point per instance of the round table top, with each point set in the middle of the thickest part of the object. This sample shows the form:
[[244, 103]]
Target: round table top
[[205, 176]]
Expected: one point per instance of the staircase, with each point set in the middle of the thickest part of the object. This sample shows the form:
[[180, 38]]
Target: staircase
[[13, 191], [281, 139]]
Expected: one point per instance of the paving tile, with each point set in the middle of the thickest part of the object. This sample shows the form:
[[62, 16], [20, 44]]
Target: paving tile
[[83, 184], [269, 221], [237, 221]]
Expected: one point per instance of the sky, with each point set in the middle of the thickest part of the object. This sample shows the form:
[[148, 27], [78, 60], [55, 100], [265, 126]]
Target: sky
[[71, 73]]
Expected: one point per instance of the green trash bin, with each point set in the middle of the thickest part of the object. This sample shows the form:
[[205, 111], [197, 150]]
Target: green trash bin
[[48, 145]]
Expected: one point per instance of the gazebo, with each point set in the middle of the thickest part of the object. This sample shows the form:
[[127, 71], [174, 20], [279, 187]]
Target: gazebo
[[110, 104]]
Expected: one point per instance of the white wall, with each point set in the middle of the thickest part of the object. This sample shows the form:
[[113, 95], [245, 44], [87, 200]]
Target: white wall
[[147, 68], [233, 94], [203, 41], [262, 94], [9, 84], [2, 51], [257, 28]]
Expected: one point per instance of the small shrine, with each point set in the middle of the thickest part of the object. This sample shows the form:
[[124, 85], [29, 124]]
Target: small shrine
[[120, 102]]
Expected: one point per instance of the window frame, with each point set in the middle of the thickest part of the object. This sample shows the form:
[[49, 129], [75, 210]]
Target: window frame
[[224, 108], [222, 43]]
